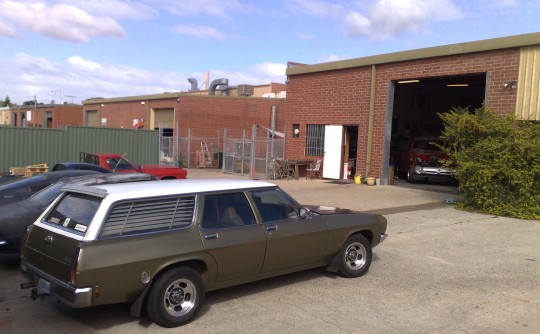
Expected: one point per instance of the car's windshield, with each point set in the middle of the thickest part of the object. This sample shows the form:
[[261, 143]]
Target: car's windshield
[[119, 164], [427, 145]]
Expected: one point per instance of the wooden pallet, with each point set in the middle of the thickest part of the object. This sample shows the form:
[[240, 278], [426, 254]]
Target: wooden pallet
[[36, 169], [20, 171]]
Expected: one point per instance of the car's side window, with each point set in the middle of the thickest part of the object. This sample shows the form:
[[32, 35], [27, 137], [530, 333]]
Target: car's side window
[[226, 210], [275, 205], [149, 215]]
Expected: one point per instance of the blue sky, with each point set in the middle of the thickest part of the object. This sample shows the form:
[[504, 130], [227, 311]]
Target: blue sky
[[79, 49]]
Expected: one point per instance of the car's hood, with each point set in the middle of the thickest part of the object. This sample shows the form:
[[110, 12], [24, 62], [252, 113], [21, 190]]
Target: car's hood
[[328, 210]]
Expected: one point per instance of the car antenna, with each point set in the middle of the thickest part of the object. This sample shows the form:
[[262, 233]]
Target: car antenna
[[118, 162]]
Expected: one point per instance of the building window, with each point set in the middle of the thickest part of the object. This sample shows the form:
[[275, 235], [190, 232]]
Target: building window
[[315, 140]]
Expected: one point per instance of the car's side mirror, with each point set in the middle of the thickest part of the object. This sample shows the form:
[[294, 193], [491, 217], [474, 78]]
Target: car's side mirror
[[305, 213]]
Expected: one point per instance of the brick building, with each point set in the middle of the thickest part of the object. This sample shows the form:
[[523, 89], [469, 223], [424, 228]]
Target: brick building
[[204, 115], [203, 111], [361, 111], [42, 115]]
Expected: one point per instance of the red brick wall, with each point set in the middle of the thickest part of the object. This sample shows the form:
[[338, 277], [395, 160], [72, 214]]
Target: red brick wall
[[62, 115], [204, 115], [120, 114], [67, 115], [342, 96]]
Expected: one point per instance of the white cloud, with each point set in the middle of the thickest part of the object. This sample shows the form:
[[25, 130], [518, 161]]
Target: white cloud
[[305, 36], [8, 31], [222, 8], [258, 74], [388, 18], [28, 75], [267, 69], [58, 21], [199, 31], [316, 8], [118, 9], [83, 64], [25, 76]]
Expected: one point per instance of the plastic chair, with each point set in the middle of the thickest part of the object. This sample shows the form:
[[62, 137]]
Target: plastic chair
[[315, 170]]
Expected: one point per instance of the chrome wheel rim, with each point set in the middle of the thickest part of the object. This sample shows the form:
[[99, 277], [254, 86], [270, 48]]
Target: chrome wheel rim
[[355, 256], [179, 297]]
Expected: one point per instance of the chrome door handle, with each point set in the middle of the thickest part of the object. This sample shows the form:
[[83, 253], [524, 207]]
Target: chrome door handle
[[271, 227], [211, 236]]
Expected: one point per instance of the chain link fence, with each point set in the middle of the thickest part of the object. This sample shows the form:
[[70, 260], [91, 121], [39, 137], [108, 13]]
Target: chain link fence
[[251, 153]]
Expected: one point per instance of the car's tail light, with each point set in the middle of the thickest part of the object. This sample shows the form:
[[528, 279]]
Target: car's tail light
[[74, 264], [22, 246]]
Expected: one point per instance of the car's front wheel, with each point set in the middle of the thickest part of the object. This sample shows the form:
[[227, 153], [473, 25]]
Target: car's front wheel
[[355, 256], [175, 297], [410, 175]]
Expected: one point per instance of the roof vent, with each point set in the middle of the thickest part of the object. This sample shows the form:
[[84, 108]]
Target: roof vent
[[194, 86], [245, 90]]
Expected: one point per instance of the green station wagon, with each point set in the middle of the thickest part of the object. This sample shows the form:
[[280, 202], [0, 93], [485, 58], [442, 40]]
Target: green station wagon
[[161, 245]]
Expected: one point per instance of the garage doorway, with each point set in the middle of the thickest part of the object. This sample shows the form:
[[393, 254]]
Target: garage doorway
[[414, 104], [340, 151]]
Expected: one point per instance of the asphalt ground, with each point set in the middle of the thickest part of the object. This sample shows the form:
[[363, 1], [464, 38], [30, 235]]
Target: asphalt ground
[[440, 270]]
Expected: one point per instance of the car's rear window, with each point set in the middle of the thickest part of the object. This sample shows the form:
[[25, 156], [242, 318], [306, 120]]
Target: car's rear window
[[74, 212]]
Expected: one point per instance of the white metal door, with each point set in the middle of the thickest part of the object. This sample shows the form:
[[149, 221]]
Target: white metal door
[[333, 141]]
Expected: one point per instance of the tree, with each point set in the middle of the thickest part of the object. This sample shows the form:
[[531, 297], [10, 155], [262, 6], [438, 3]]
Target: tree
[[7, 102], [497, 159]]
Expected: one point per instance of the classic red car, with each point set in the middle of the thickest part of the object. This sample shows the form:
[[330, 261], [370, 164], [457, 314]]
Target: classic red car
[[118, 163], [423, 159]]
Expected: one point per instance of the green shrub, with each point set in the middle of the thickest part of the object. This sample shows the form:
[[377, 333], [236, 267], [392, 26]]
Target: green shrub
[[497, 159]]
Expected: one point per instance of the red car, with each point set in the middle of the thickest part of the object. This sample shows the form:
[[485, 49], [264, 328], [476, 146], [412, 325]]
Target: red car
[[423, 159], [118, 163]]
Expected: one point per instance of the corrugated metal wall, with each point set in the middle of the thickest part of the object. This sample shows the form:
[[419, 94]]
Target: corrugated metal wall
[[528, 95], [28, 146]]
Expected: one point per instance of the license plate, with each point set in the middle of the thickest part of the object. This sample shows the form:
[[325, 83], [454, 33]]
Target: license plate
[[44, 286]]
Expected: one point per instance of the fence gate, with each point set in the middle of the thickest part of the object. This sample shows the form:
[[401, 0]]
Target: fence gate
[[253, 154]]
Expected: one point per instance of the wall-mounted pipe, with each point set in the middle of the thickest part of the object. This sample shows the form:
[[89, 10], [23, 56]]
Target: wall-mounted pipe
[[370, 120]]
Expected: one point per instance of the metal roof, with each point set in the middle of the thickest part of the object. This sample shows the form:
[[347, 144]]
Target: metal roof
[[438, 51]]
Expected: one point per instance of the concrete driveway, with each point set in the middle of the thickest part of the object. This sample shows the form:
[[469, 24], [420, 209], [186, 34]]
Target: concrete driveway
[[441, 270]]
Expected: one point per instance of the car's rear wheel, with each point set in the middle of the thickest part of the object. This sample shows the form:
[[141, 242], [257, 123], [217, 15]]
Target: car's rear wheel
[[176, 297], [355, 256]]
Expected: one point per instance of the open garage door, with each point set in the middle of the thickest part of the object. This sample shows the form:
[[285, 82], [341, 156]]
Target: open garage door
[[417, 103]]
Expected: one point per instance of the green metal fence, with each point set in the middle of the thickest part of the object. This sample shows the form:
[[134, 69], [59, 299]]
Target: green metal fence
[[29, 146]]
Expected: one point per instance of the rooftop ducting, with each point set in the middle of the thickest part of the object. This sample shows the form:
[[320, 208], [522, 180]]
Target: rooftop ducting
[[223, 85], [194, 85]]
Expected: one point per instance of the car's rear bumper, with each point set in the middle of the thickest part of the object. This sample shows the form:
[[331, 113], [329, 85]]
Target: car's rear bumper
[[47, 285]]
